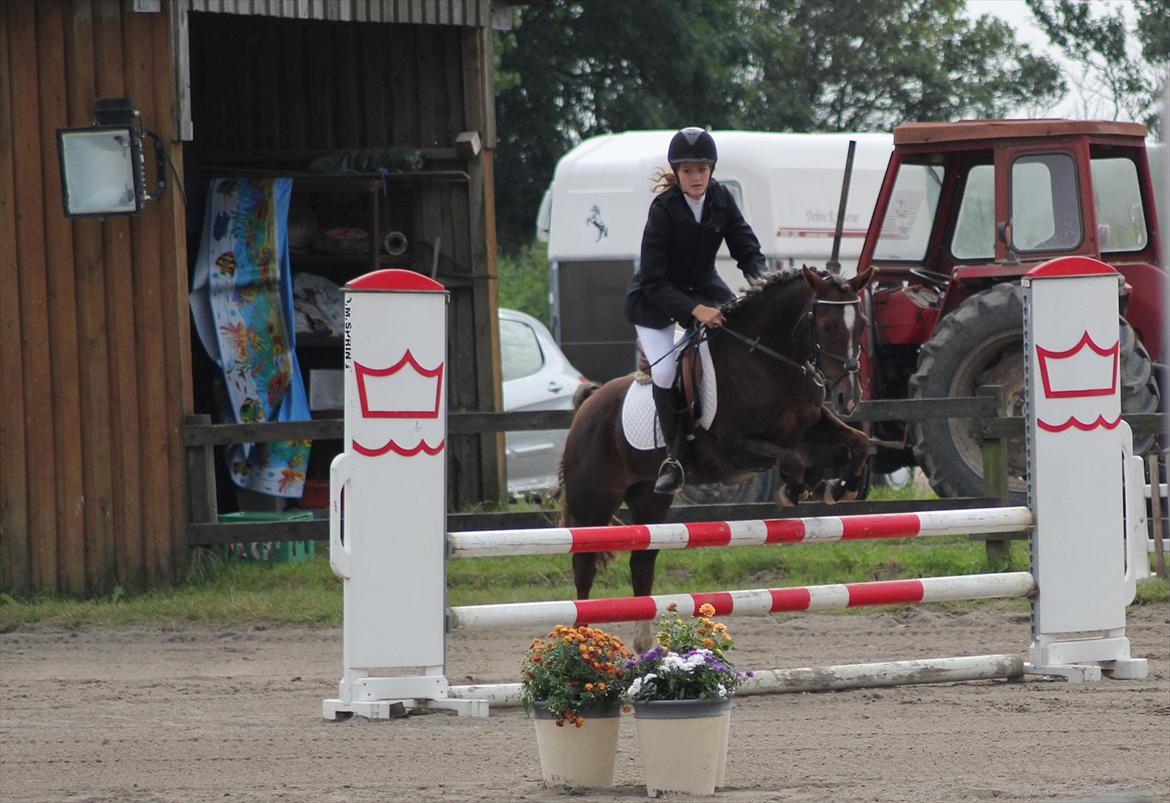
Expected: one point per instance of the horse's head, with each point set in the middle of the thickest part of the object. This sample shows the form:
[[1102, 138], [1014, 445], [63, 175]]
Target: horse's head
[[836, 321]]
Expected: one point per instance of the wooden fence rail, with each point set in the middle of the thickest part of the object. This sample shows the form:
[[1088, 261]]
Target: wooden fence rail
[[987, 409]]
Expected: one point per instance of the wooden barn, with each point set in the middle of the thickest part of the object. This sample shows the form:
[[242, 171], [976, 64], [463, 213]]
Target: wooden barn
[[99, 362]]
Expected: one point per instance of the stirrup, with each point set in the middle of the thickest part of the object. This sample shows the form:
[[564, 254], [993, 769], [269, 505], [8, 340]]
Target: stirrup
[[671, 477]]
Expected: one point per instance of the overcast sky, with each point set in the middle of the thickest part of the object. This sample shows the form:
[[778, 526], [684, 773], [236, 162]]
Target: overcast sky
[[1016, 14]]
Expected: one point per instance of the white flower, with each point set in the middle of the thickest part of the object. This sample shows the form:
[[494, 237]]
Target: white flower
[[721, 690], [636, 686]]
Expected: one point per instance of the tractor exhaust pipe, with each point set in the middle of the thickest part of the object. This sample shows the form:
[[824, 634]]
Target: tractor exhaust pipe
[[833, 266]]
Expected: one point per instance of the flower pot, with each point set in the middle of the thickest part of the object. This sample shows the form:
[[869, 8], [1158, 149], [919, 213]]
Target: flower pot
[[684, 744], [572, 756]]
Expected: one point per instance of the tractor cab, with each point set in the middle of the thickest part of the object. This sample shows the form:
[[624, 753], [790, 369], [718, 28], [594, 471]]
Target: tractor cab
[[964, 210]]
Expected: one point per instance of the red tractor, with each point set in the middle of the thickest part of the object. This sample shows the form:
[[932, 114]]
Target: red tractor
[[964, 211]]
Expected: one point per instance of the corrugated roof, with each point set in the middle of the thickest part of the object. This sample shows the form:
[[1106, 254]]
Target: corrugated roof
[[473, 13]]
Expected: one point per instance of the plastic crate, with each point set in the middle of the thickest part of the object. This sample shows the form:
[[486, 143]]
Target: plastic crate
[[269, 551]]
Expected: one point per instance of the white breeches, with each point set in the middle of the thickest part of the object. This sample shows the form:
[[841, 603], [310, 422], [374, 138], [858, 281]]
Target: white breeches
[[656, 343]]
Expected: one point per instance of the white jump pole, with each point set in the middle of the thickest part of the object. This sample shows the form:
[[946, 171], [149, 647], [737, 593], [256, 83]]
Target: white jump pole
[[822, 678], [1085, 485]]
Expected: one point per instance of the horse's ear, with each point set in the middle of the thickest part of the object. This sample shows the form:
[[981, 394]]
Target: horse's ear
[[858, 283], [814, 280]]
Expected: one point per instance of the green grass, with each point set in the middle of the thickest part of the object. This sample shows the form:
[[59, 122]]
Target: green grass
[[230, 592], [225, 591]]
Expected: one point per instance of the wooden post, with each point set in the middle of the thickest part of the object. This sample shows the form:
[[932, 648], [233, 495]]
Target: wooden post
[[995, 476], [202, 507]]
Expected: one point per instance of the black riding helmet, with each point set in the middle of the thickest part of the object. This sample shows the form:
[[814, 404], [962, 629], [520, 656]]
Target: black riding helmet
[[692, 144]]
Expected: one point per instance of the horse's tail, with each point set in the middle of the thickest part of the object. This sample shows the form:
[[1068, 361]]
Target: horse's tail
[[583, 392]]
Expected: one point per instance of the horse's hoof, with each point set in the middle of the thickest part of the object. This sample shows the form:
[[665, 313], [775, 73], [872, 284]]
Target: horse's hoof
[[824, 492], [643, 637], [848, 496], [782, 497]]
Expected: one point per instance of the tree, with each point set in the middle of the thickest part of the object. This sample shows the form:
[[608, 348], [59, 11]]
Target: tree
[[869, 66], [1113, 76], [573, 69]]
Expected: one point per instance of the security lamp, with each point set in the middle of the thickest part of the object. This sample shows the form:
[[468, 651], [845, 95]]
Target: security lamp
[[102, 169]]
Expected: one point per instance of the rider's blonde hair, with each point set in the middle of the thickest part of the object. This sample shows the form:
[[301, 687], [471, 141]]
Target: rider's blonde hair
[[664, 178]]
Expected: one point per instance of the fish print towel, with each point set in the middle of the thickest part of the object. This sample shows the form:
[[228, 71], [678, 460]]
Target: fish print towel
[[241, 301]]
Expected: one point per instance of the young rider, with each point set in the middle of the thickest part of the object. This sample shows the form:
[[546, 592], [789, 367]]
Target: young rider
[[676, 279]]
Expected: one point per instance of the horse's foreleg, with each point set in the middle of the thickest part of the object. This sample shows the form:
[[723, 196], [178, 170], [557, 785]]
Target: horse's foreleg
[[792, 488], [642, 574], [584, 572], [646, 507], [833, 431]]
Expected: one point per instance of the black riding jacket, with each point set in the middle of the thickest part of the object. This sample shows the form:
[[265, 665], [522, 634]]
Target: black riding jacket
[[677, 269]]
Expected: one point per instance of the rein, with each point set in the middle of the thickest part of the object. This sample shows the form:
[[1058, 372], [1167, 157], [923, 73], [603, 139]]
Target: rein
[[812, 367]]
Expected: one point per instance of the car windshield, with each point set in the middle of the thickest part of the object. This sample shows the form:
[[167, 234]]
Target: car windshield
[[520, 352], [906, 229]]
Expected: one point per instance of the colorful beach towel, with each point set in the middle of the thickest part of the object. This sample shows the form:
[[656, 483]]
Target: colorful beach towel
[[241, 300]]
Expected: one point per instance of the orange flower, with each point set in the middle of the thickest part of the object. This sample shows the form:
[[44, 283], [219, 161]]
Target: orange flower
[[707, 609]]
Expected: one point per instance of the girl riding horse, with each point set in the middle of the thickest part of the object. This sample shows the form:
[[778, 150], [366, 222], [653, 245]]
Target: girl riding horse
[[676, 280]]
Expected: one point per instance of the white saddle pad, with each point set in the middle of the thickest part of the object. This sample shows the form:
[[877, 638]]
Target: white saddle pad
[[640, 421]]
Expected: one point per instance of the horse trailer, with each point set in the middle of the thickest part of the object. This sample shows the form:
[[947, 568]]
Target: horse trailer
[[787, 185]]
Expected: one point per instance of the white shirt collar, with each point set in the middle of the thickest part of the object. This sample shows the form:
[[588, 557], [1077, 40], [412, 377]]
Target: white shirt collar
[[696, 206]]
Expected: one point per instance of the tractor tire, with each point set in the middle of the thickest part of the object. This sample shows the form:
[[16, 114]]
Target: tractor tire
[[981, 343]]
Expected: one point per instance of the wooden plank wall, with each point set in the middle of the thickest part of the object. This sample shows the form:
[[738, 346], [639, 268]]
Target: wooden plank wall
[[274, 90], [94, 351]]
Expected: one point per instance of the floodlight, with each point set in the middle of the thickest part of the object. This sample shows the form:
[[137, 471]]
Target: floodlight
[[102, 170]]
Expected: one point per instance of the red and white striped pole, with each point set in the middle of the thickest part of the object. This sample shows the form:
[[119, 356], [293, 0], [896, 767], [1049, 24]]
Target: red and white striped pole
[[745, 603], [624, 538]]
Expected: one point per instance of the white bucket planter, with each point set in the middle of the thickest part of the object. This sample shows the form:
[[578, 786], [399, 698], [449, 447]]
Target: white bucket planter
[[684, 744], [578, 757]]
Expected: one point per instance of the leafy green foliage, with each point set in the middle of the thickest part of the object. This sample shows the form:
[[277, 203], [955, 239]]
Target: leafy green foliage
[[570, 70], [524, 280], [1107, 48]]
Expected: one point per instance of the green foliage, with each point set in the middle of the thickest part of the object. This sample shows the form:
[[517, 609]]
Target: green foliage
[[524, 280], [570, 70], [1106, 48], [574, 668]]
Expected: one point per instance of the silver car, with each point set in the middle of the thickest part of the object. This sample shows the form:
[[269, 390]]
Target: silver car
[[536, 376]]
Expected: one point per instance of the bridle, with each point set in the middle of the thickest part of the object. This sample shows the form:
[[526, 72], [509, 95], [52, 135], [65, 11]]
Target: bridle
[[812, 366]]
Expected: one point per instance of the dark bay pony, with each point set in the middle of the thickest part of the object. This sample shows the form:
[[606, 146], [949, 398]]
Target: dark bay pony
[[788, 351]]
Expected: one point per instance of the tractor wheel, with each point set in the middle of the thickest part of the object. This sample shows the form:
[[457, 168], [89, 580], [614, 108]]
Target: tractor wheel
[[981, 343]]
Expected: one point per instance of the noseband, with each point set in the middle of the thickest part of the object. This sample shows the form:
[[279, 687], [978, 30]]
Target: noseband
[[851, 366], [812, 366]]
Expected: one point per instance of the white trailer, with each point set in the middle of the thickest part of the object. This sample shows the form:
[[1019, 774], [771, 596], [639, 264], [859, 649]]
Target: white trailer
[[593, 213]]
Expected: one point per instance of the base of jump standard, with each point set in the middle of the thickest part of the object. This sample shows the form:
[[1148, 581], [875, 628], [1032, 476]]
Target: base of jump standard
[[388, 539]]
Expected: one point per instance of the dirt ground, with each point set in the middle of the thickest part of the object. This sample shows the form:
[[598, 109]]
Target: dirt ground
[[198, 713]]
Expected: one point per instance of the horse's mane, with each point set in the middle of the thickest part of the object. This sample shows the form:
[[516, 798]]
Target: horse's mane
[[759, 288]]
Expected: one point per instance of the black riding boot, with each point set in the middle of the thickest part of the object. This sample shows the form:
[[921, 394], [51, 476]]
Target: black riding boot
[[674, 433]]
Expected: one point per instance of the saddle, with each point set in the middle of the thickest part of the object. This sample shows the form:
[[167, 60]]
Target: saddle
[[687, 381]]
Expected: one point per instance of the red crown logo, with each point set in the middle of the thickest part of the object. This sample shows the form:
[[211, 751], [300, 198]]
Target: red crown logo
[[1086, 369], [380, 399], [404, 390]]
